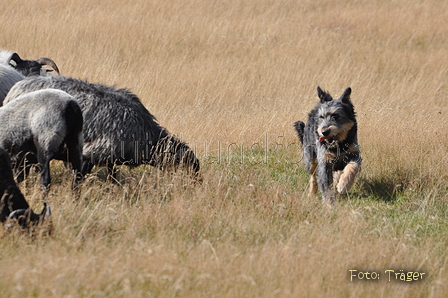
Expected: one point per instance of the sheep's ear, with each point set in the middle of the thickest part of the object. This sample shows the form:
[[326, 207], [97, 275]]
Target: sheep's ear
[[345, 98], [14, 59], [324, 96]]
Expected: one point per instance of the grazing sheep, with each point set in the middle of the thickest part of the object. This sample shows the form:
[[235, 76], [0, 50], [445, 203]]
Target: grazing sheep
[[118, 129], [14, 69], [12, 202], [42, 122]]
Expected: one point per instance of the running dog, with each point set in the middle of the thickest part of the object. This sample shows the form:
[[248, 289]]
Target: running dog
[[330, 145]]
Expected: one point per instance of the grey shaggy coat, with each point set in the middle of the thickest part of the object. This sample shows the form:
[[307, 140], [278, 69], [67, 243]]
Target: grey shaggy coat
[[118, 129], [45, 123]]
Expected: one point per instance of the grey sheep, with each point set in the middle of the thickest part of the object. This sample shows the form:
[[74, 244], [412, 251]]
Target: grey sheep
[[118, 129], [42, 122], [14, 69]]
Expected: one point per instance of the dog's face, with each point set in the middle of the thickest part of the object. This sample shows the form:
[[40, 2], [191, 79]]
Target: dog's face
[[335, 117]]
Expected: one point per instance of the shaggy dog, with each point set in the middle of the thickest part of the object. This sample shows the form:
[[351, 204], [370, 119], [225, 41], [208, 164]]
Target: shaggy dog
[[330, 145]]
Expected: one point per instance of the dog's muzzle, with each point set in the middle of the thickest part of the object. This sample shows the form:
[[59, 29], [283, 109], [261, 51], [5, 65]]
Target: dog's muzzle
[[331, 141]]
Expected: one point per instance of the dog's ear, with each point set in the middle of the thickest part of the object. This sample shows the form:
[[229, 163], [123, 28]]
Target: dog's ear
[[345, 98], [324, 96]]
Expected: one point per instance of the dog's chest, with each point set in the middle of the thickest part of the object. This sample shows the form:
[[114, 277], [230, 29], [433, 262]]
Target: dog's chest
[[339, 155]]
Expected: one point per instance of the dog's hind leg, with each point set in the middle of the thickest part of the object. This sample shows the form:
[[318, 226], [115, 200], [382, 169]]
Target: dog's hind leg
[[348, 177], [313, 178]]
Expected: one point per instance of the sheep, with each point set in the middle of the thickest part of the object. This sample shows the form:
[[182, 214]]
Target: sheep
[[118, 129], [41, 123], [12, 203], [14, 69]]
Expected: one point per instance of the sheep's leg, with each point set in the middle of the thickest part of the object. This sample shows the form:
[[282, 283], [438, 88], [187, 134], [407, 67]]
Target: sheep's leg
[[75, 158], [43, 159], [87, 167], [20, 168], [45, 178], [112, 171], [20, 172]]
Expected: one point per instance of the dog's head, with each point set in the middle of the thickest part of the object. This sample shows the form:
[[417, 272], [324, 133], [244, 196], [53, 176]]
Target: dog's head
[[335, 117]]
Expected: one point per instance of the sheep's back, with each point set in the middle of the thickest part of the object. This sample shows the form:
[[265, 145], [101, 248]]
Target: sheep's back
[[114, 119], [38, 115], [8, 77]]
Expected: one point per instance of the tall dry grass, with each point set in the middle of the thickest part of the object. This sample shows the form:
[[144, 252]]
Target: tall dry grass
[[229, 76]]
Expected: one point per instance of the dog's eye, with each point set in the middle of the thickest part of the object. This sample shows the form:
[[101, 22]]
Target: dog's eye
[[334, 117], [321, 117]]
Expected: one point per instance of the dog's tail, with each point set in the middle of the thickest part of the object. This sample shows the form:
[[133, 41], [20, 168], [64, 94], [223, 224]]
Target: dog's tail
[[300, 127]]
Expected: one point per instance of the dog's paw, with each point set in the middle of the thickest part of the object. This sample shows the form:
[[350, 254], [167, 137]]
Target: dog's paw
[[343, 188], [329, 202]]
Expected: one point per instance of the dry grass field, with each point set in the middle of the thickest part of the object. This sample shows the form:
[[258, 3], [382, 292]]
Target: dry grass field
[[230, 78]]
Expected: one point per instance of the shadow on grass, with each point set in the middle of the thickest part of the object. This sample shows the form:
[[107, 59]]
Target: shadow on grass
[[386, 188], [380, 189]]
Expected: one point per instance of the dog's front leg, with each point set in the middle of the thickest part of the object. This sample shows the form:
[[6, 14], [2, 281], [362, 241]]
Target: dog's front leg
[[348, 177], [351, 170], [325, 182], [336, 177]]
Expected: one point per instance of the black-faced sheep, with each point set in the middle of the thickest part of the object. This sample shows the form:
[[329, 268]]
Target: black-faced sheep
[[12, 202], [14, 69], [118, 129], [42, 122]]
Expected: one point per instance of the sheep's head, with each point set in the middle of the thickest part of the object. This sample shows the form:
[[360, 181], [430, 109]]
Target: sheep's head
[[25, 220], [186, 157], [15, 212], [171, 153], [26, 217], [32, 67]]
